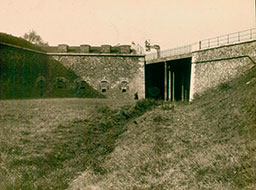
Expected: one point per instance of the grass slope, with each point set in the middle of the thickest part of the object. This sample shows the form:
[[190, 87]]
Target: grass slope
[[208, 144], [13, 40]]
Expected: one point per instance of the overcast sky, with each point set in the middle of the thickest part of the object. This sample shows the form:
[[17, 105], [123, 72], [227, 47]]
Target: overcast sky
[[169, 23]]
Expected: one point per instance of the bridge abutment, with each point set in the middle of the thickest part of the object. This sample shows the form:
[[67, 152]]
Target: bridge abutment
[[185, 75], [212, 67]]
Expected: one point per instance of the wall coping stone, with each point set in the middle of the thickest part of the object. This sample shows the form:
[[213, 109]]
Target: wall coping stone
[[73, 54], [96, 54], [227, 58]]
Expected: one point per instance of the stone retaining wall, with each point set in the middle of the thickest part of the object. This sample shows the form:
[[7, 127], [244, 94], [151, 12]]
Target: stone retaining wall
[[214, 66], [116, 76]]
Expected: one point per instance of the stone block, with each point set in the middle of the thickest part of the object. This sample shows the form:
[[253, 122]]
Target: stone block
[[125, 49], [62, 48], [105, 49], [85, 48]]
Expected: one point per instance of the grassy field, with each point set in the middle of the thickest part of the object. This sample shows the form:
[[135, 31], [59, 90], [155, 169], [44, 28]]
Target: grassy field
[[100, 144]]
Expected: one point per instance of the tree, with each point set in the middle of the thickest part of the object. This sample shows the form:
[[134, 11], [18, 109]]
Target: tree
[[34, 38]]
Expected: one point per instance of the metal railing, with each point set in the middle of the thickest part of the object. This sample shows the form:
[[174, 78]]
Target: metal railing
[[170, 52], [232, 38], [237, 37]]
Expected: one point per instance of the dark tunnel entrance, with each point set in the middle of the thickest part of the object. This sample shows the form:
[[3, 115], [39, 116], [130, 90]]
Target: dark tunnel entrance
[[154, 80], [168, 80], [179, 72]]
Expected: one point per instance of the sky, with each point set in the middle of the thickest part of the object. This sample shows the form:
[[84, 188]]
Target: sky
[[168, 23]]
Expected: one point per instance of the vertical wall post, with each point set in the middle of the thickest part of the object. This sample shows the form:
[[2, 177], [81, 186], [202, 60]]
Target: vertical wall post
[[182, 87], [192, 77], [173, 86], [165, 81], [170, 85]]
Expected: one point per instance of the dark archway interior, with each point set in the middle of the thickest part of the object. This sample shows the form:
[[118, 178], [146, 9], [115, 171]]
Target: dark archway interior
[[154, 80], [179, 72], [171, 82]]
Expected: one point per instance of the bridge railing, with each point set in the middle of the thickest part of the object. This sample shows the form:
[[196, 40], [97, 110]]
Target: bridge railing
[[170, 52], [232, 38], [237, 37]]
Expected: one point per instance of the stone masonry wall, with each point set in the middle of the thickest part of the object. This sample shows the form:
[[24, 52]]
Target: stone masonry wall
[[120, 76], [214, 66]]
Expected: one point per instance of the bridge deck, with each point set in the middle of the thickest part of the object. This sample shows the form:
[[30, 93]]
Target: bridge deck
[[169, 58]]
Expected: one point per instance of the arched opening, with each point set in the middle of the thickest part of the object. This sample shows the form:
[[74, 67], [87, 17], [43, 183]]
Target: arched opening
[[104, 86], [40, 84], [124, 86], [60, 82], [82, 84]]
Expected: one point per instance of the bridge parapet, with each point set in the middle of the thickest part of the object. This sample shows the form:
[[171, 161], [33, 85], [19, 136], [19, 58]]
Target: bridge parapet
[[228, 39], [170, 52]]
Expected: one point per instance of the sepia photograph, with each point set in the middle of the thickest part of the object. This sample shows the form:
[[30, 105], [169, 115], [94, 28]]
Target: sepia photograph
[[127, 95]]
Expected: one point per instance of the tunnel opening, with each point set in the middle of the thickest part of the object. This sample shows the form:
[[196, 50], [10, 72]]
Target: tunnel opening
[[179, 72], [154, 80], [168, 80]]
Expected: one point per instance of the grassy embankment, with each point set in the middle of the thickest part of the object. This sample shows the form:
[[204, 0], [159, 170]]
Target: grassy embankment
[[208, 144], [13, 40], [26, 74]]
